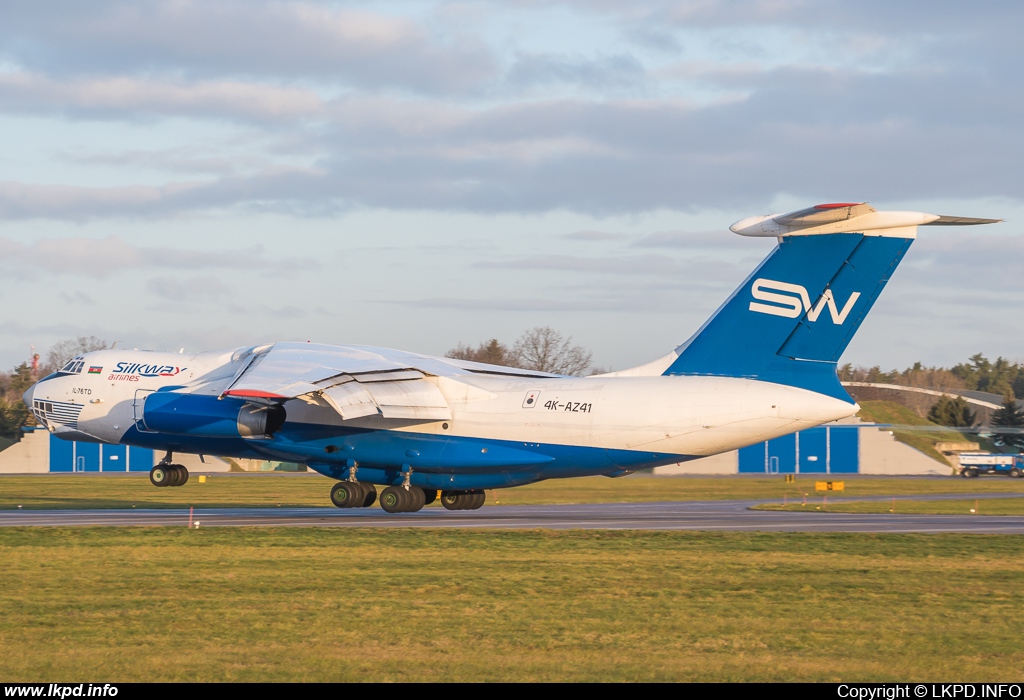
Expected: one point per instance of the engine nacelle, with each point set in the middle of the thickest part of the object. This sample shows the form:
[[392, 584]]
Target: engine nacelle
[[209, 416]]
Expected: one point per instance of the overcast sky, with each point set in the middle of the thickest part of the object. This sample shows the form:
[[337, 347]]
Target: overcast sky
[[415, 175]]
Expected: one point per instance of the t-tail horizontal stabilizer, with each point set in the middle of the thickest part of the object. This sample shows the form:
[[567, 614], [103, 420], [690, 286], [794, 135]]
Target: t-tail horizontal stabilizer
[[792, 318]]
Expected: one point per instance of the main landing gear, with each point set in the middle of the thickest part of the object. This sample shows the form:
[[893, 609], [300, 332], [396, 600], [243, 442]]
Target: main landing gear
[[463, 500], [400, 498], [353, 494]]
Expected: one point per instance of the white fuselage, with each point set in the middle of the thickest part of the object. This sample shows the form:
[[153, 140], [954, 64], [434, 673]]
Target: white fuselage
[[676, 415]]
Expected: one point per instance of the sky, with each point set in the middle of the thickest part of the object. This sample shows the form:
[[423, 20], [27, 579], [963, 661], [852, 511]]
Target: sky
[[202, 175]]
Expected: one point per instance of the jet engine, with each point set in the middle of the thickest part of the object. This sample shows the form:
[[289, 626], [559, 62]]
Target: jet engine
[[210, 416]]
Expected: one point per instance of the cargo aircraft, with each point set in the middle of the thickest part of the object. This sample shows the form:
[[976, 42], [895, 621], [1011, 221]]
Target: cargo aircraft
[[763, 365]]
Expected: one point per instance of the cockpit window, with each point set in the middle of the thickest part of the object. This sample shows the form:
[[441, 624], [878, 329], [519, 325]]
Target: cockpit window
[[74, 366]]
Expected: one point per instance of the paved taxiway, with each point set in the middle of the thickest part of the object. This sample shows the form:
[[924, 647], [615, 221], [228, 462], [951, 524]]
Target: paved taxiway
[[680, 515]]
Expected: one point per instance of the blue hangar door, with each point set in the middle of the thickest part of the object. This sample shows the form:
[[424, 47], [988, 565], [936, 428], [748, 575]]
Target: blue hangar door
[[67, 456], [826, 450]]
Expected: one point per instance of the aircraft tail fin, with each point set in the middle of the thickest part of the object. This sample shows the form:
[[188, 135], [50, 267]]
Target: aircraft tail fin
[[792, 318]]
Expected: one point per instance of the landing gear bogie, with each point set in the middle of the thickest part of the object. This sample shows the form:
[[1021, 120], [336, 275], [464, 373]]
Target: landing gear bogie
[[346, 494], [168, 475], [399, 499], [463, 500], [353, 494]]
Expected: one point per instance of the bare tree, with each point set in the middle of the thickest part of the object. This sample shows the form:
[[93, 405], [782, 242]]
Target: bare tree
[[492, 352], [65, 350], [545, 350]]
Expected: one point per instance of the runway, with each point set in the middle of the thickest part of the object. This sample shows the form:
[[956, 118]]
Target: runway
[[679, 515]]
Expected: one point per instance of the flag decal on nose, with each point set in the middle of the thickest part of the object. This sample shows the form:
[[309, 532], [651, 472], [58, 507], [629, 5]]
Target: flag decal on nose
[[95, 370]]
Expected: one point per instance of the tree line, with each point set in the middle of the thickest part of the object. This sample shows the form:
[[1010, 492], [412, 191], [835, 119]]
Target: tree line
[[977, 374], [544, 349]]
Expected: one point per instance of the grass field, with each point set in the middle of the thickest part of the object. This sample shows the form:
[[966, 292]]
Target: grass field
[[99, 491], [994, 506], [329, 605], [311, 604]]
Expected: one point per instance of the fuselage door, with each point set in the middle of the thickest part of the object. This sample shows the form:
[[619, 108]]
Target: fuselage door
[[138, 406]]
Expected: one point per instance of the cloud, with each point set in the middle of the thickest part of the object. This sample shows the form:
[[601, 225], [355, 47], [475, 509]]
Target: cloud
[[720, 240], [535, 304], [814, 135], [594, 236], [24, 201], [617, 71], [207, 160], [100, 258], [77, 297], [121, 96], [250, 38], [710, 131], [619, 265], [190, 289]]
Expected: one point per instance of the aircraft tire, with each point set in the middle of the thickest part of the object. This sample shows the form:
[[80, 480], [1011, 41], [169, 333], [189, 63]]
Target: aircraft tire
[[357, 494], [416, 499], [429, 496], [452, 500], [183, 475], [394, 499], [345, 494], [370, 495], [476, 500], [160, 475], [177, 477]]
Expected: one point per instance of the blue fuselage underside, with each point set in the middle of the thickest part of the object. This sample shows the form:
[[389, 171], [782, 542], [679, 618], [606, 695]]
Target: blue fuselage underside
[[436, 461]]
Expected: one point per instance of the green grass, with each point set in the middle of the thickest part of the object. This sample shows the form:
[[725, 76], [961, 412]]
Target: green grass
[[897, 414], [59, 491], [308, 604], [994, 506]]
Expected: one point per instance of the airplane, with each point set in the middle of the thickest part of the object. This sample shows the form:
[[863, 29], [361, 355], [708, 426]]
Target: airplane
[[763, 365]]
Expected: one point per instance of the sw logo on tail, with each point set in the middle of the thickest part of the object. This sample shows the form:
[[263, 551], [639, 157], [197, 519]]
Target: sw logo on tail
[[791, 306]]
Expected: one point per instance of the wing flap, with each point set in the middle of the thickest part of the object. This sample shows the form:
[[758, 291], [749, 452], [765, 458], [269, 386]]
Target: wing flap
[[415, 399], [350, 400]]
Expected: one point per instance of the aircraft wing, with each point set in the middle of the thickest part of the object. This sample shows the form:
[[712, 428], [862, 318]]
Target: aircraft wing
[[356, 381]]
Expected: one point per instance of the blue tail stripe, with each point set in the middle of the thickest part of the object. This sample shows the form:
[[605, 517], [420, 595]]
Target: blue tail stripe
[[822, 340], [791, 320]]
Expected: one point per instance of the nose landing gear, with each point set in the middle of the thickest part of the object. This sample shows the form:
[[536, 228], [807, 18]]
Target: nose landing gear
[[167, 474]]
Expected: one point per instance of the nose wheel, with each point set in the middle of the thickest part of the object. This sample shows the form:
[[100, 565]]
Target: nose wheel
[[168, 475]]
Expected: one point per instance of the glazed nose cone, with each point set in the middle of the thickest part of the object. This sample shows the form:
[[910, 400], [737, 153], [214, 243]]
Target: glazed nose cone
[[27, 396]]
